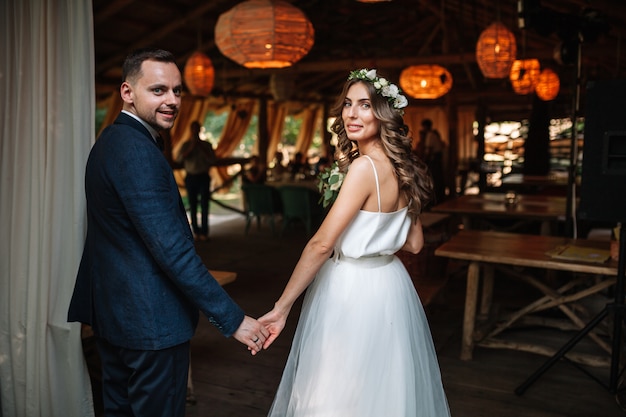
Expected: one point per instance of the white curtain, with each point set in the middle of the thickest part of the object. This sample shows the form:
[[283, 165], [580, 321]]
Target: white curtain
[[47, 112]]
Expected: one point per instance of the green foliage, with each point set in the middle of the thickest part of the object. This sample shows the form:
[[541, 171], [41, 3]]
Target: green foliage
[[213, 125], [291, 130], [330, 180]]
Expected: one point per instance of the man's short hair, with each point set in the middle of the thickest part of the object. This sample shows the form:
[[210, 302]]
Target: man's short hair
[[132, 63]]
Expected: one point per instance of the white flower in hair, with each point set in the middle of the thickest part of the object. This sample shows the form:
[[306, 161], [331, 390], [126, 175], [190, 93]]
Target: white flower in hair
[[382, 86], [400, 102]]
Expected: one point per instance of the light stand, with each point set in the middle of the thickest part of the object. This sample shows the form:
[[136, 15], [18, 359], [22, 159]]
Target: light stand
[[605, 163], [617, 309], [570, 226]]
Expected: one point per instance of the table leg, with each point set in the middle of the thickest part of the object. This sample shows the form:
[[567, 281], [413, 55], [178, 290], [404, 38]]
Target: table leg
[[467, 222], [546, 228], [487, 293], [469, 317]]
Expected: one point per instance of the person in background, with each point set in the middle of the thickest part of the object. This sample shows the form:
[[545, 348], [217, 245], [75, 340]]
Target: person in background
[[433, 149], [140, 281], [362, 346], [255, 172], [197, 157], [297, 166], [277, 169]]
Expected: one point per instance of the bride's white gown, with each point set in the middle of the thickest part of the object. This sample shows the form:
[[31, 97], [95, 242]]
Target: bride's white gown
[[363, 347]]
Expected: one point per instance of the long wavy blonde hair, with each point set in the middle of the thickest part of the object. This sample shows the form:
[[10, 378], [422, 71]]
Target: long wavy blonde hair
[[414, 179]]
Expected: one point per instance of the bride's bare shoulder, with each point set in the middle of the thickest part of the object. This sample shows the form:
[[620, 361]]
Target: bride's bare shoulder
[[360, 165]]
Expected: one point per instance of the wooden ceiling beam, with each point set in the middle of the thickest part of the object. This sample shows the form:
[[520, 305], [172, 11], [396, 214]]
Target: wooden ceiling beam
[[111, 9], [154, 36], [390, 63]]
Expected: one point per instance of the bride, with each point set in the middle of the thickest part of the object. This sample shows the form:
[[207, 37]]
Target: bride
[[362, 346]]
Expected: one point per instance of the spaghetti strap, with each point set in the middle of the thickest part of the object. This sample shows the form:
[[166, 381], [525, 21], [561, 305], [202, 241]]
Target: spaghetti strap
[[375, 175]]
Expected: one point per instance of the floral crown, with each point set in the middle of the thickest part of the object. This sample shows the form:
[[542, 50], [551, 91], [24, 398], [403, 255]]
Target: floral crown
[[382, 86]]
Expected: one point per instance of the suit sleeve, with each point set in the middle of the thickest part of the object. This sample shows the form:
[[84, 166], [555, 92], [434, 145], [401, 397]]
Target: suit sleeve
[[150, 195]]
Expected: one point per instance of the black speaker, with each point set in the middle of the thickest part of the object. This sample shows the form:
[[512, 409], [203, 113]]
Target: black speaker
[[603, 187]]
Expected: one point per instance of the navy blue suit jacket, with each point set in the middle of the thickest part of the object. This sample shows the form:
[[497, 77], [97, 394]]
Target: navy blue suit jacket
[[140, 282]]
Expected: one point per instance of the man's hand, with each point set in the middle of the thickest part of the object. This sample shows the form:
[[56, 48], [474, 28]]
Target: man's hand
[[252, 334]]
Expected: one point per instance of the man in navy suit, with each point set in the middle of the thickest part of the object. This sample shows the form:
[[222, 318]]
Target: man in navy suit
[[140, 282]]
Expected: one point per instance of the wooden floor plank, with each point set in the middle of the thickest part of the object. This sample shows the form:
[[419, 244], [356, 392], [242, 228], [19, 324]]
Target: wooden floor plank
[[230, 382]]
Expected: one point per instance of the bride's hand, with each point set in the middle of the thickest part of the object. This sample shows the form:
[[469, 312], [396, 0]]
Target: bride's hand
[[274, 322]]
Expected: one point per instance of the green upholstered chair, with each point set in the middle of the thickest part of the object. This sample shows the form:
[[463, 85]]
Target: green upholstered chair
[[301, 204], [261, 200]]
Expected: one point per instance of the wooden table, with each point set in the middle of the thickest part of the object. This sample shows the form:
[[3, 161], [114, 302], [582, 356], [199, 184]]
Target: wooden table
[[489, 250], [223, 277], [543, 208], [556, 182]]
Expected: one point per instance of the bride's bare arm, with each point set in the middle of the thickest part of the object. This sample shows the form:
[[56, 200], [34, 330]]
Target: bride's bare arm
[[415, 238], [354, 193]]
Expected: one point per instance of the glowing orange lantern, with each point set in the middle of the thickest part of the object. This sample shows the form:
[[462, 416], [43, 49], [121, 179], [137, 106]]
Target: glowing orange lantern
[[525, 75], [264, 34], [547, 87], [199, 74], [495, 51], [425, 81]]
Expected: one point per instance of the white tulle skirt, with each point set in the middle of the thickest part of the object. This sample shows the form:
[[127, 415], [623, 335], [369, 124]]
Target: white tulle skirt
[[362, 347]]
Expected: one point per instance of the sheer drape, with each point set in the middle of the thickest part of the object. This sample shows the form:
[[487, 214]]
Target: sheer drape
[[310, 120], [467, 144], [47, 115], [276, 113], [236, 126], [114, 106], [191, 109]]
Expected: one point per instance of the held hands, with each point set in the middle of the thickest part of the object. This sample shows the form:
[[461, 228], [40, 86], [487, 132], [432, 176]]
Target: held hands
[[252, 334], [274, 322]]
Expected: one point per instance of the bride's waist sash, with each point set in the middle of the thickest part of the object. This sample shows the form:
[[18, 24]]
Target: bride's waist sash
[[367, 261]]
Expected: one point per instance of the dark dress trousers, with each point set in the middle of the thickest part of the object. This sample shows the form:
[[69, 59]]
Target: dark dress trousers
[[140, 282]]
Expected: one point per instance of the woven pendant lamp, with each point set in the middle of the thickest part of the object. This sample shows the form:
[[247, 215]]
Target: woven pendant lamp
[[548, 85], [264, 34], [495, 51], [524, 75], [199, 74], [425, 81]]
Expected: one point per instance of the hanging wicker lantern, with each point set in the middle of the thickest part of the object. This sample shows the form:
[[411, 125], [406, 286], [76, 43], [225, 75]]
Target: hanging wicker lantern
[[199, 74], [425, 81], [524, 75], [264, 34], [495, 51], [547, 87]]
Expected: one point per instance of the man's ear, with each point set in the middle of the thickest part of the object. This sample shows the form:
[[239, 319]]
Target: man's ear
[[126, 91]]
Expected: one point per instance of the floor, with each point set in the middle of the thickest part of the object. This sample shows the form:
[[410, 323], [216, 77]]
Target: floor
[[228, 381]]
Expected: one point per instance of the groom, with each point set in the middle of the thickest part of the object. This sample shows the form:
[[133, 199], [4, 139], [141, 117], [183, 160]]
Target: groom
[[140, 282]]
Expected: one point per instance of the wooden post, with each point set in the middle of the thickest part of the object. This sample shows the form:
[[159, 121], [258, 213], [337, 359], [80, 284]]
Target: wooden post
[[481, 118], [452, 164], [264, 136]]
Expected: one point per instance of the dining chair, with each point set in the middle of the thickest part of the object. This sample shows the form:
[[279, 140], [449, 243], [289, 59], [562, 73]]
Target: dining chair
[[261, 200], [301, 204]]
